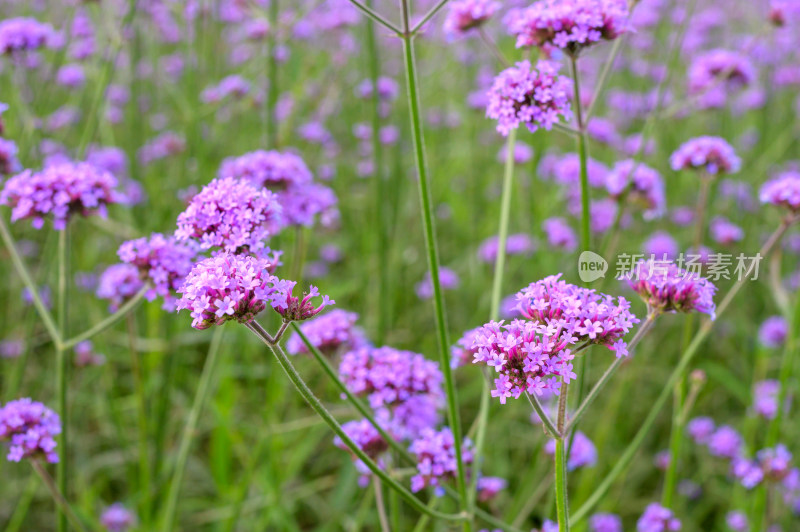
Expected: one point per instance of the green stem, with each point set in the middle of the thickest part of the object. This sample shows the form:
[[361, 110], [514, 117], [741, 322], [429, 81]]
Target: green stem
[[429, 15], [562, 504], [62, 368], [630, 451], [380, 505], [787, 362], [272, 75], [120, 313], [431, 248], [19, 265], [141, 414], [327, 417], [189, 430], [58, 496], [552, 430], [502, 237], [381, 201], [374, 15], [586, 234], [355, 401]]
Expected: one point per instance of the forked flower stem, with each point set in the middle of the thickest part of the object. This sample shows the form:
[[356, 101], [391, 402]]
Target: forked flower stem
[[630, 451], [110, 320], [327, 417]]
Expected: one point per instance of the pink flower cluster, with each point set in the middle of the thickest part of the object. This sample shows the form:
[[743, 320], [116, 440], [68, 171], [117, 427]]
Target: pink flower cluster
[[465, 15], [232, 215], [570, 25], [642, 184], [710, 154], [536, 97], [783, 191], [667, 288], [24, 34], [294, 308], [436, 459], [30, 429], [61, 190], [714, 74]]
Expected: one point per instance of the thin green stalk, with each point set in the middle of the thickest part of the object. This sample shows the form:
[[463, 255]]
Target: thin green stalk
[[431, 248], [562, 501], [381, 201], [272, 76], [586, 234], [58, 496], [19, 265], [603, 77], [785, 373], [552, 430], [62, 368], [141, 415], [203, 389], [377, 17], [120, 313], [319, 408], [429, 15], [502, 237], [380, 505], [630, 451], [355, 401]]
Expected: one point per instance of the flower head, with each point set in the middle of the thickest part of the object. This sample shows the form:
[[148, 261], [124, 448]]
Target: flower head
[[725, 442], [765, 398], [737, 521], [465, 15], [667, 288], [368, 439], [30, 429], [464, 351], [293, 308], [9, 163], [117, 518], [61, 191], [712, 75], [701, 429], [773, 331], [334, 332], [163, 261], [710, 154], [24, 34], [489, 487], [605, 523], [656, 518], [570, 25], [560, 234], [118, 283], [448, 279], [642, 184], [536, 97], [274, 170], [436, 458], [783, 191], [226, 287], [516, 244], [230, 214]]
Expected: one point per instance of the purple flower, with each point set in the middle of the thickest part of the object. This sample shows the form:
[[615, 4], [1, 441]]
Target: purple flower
[[523, 153], [109, 158], [85, 355], [661, 245], [388, 376], [489, 487], [701, 429], [448, 279], [582, 454], [436, 458], [464, 15], [570, 25], [165, 145], [723, 231], [117, 518], [516, 244], [163, 261], [737, 521], [640, 184], [270, 169], [566, 170], [667, 288], [9, 163], [656, 518], [605, 523], [334, 332], [387, 89], [61, 190], [725, 442], [368, 439], [712, 75], [294, 308], [773, 331], [71, 76], [602, 130], [533, 97], [230, 86], [227, 287], [709, 154], [24, 34], [119, 283], [11, 348], [560, 234], [586, 315], [29, 428], [783, 191], [464, 351], [230, 214]]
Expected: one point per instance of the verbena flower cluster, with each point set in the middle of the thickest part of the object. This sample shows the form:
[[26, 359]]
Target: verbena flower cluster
[[783, 191], [232, 215], [642, 184], [294, 308], [30, 429], [465, 15], [712, 155], [656, 518], [667, 288], [773, 331], [535, 97], [712, 75], [369, 440], [331, 333], [118, 283], [436, 459], [516, 244], [569, 25], [117, 518], [24, 34], [226, 287], [162, 261], [61, 191]]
